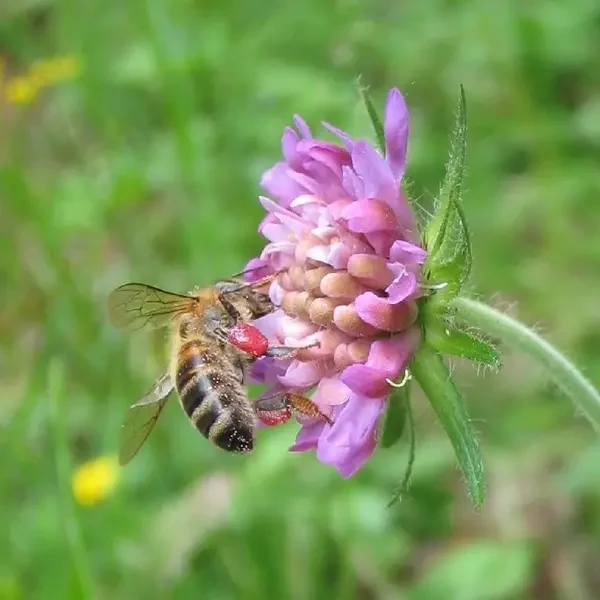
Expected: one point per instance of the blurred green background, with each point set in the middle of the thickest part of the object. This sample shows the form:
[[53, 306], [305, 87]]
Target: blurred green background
[[143, 164]]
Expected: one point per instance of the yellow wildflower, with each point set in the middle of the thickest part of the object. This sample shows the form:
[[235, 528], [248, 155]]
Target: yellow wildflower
[[95, 480], [21, 90]]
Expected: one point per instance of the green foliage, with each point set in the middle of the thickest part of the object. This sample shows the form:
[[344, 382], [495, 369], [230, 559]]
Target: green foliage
[[447, 236], [434, 379], [479, 571], [146, 167], [395, 416], [398, 419], [447, 338], [373, 117]]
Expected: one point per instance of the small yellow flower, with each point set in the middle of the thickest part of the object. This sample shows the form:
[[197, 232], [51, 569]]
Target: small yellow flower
[[95, 480], [21, 90]]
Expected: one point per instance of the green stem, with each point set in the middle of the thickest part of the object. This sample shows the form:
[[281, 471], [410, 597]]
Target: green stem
[[562, 371]]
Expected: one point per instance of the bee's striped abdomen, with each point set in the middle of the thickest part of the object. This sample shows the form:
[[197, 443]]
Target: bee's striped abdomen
[[213, 398]]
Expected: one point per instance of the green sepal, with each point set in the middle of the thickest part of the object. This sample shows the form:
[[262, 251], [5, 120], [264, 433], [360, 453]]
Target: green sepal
[[432, 374], [405, 483], [447, 338], [373, 116], [395, 416], [447, 236]]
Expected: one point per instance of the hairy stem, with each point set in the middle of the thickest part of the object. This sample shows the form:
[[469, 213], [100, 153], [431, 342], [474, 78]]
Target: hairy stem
[[513, 333]]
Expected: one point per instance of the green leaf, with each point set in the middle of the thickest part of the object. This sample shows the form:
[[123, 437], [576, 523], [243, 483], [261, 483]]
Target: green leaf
[[448, 339], [447, 235], [433, 376], [404, 485], [395, 416], [375, 120]]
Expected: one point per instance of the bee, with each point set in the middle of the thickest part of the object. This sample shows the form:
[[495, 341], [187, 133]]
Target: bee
[[212, 345]]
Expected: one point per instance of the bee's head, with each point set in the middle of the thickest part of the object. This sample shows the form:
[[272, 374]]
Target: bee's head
[[248, 301]]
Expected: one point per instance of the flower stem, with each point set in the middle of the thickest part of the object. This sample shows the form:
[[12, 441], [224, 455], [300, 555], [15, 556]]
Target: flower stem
[[562, 371]]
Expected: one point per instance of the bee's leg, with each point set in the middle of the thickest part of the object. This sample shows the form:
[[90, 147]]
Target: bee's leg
[[232, 311], [283, 352], [273, 410], [236, 286], [277, 409], [306, 407]]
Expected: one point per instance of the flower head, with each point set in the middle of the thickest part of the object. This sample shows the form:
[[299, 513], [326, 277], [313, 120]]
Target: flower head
[[95, 480], [343, 235]]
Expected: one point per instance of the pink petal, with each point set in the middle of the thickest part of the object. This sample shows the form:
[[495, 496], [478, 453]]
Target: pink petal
[[308, 436], [379, 183], [365, 216], [306, 199], [330, 184], [382, 314], [337, 208], [352, 463], [303, 375], [353, 184], [324, 233], [353, 242], [396, 125], [336, 254], [328, 340], [407, 253], [376, 174], [319, 253], [405, 217], [255, 269], [393, 354], [331, 391], [381, 241], [346, 139], [294, 328], [268, 370], [295, 224], [285, 247], [307, 183], [288, 218], [302, 127], [289, 143], [276, 293], [327, 154], [404, 286], [275, 232], [269, 324], [339, 255], [365, 380], [350, 441], [279, 184]]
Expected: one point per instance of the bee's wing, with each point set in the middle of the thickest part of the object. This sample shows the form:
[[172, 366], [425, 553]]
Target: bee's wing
[[136, 305], [141, 418]]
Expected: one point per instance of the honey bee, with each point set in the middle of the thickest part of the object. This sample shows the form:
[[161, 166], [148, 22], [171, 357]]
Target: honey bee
[[212, 344]]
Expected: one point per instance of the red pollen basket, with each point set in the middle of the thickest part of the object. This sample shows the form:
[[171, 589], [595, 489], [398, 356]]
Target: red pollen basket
[[248, 338]]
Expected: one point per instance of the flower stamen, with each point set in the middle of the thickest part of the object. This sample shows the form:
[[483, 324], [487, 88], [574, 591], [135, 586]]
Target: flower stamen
[[405, 379]]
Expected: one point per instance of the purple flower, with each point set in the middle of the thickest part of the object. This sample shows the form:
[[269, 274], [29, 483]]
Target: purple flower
[[342, 231]]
